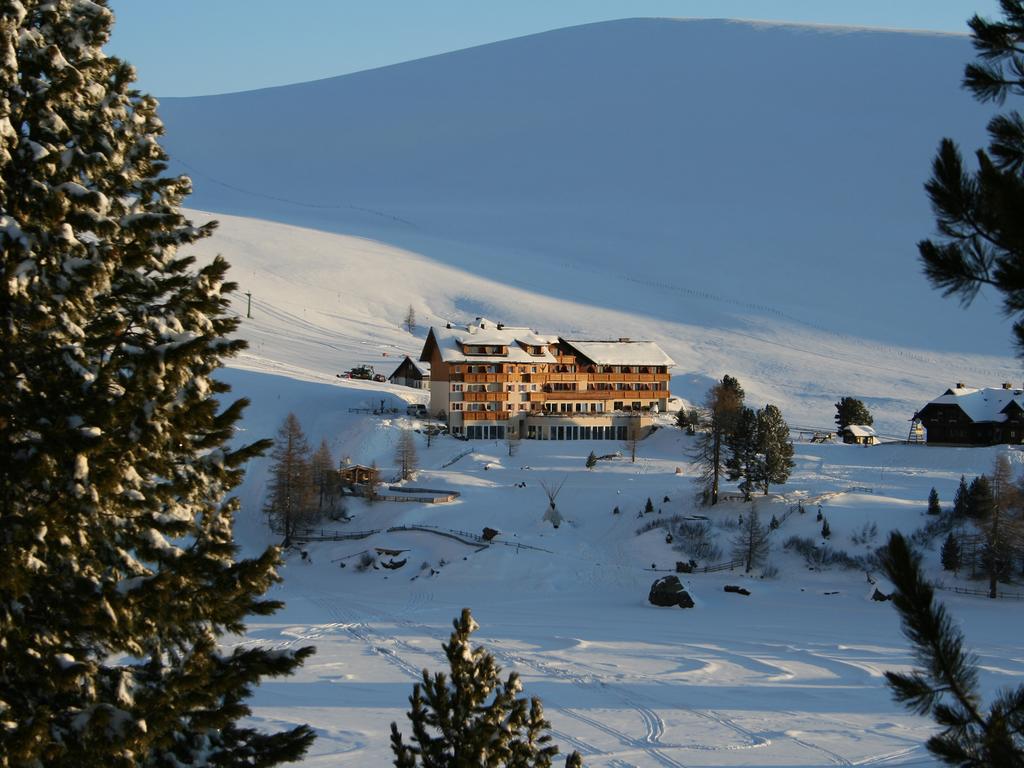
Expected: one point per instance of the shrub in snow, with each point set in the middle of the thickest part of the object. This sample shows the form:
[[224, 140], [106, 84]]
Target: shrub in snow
[[471, 717], [821, 556], [366, 561], [867, 534]]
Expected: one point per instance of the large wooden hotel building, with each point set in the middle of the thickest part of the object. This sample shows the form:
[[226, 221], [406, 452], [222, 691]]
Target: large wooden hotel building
[[492, 381]]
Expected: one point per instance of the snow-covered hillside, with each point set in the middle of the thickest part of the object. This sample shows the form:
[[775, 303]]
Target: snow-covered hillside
[[322, 303], [748, 196], [790, 675], [716, 173]]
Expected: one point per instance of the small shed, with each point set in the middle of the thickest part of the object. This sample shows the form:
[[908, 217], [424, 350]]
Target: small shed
[[859, 434], [356, 474], [411, 373]]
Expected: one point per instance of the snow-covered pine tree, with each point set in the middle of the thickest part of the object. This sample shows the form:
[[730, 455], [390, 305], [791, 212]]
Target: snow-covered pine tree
[[471, 718], [118, 570], [950, 553], [961, 499], [744, 457], [934, 505], [850, 410], [291, 493], [775, 448]]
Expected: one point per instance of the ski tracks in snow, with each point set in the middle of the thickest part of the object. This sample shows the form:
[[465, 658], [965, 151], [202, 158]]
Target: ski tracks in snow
[[356, 622]]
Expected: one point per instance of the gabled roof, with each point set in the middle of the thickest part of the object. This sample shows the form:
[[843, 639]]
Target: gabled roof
[[423, 368], [860, 430], [621, 352], [484, 333], [986, 404]]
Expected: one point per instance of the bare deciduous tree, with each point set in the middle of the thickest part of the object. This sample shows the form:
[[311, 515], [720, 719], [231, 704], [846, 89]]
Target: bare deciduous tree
[[290, 503], [405, 454], [325, 479], [632, 440], [750, 544]]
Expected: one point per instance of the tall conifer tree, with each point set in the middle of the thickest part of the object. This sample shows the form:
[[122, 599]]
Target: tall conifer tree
[[118, 571], [977, 209], [775, 448]]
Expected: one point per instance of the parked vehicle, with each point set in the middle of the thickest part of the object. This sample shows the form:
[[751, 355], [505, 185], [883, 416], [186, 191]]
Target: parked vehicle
[[362, 372], [418, 410]]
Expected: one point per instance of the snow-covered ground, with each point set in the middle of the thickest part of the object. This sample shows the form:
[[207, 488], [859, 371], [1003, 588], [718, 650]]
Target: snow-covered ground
[[789, 676], [746, 195]]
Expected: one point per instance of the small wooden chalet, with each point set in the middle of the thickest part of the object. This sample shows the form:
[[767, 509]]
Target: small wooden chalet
[[964, 415], [355, 474], [859, 434], [411, 373]]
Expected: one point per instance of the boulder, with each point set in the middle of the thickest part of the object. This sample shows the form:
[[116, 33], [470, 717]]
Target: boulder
[[880, 596], [736, 589], [668, 591]]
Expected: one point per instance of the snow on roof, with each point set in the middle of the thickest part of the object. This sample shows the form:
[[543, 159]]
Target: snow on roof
[[621, 352], [860, 430], [986, 404], [484, 333]]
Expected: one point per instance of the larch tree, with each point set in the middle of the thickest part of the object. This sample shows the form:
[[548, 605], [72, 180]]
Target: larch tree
[[722, 407], [118, 568], [1002, 529], [405, 454], [291, 498], [632, 441], [750, 543], [471, 718], [324, 477], [410, 320]]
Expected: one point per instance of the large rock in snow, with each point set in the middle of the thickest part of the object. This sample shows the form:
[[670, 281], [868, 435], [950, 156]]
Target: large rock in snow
[[668, 591]]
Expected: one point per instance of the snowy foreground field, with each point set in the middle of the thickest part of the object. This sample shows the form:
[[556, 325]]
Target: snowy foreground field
[[789, 676]]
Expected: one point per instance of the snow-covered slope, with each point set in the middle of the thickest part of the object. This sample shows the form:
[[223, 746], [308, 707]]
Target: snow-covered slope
[[747, 195], [713, 173], [322, 303]]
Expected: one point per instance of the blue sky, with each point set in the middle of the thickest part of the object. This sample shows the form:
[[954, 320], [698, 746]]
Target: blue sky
[[193, 47]]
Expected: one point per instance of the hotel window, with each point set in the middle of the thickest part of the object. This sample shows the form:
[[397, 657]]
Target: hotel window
[[456, 387], [456, 406]]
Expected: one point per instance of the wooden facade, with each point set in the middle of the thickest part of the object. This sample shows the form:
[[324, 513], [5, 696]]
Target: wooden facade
[[410, 374], [489, 389], [948, 422]]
